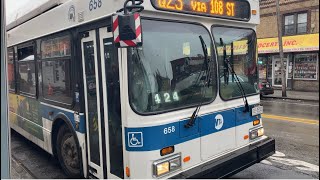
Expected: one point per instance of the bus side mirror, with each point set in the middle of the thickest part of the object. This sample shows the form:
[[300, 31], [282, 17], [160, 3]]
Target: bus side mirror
[[126, 30]]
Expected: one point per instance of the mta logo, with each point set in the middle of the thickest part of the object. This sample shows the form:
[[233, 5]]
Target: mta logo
[[219, 121]]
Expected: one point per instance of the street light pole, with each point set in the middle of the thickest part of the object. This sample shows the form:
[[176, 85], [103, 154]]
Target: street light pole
[[5, 150], [283, 67]]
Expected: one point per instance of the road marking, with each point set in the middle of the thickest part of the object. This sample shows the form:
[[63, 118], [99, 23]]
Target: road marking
[[301, 165], [301, 104], [279, 154], [266, 162], [279, 157], [291, 119]]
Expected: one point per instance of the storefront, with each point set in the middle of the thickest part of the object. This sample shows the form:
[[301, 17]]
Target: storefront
[[301, 62]]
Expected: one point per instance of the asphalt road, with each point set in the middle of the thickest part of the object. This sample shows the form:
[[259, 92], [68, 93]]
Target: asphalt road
[[294, 125]]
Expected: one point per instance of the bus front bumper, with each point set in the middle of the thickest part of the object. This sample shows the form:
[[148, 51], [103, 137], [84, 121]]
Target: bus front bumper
[[232, 163]]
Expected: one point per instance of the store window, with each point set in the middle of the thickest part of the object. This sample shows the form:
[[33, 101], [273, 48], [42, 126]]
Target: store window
[[269, 69], [11, 74], [26, 73], [306, 66], [262, 66], [295, 23], [55, 60]]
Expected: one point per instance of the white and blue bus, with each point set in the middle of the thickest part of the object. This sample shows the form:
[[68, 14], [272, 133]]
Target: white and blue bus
[[184, 104]]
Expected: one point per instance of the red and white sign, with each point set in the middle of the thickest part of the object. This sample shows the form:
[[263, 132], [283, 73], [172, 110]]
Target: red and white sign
[[127, 43]]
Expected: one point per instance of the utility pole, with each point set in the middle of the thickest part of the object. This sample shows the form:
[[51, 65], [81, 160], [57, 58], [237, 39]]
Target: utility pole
[[5, 150], [283, 67]]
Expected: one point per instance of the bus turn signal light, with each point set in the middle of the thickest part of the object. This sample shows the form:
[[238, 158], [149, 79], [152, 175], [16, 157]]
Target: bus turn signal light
[[186, 159], [128, 171], [245, 137], [256, 122], [254, 12], [167, 150]]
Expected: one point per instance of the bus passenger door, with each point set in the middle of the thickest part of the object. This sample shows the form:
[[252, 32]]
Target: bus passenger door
[[92, 104], [112, 107]]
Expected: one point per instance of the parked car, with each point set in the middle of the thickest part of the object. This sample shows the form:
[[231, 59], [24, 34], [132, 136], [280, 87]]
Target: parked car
[[265, 88]]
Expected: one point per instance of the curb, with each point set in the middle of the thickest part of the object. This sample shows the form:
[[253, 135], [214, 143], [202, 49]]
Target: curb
[[288, 98]]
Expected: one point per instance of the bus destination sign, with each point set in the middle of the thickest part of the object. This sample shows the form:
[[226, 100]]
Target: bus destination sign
[[230, 9]]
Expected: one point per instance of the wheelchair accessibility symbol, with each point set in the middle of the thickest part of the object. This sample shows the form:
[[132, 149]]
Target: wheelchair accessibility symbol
[[135, 139]]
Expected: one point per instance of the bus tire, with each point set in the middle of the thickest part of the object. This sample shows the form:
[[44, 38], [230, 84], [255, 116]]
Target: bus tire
[[67, 152]]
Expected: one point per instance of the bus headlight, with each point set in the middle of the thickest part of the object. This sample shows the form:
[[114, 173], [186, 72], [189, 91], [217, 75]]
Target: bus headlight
[[256, 133], [175, 163], [164, 166]]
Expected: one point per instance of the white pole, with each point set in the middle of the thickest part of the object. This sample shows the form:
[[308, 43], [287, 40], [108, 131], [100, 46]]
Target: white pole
[[5, 138]]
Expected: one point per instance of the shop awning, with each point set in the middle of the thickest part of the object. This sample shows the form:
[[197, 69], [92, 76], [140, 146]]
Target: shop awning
[[299, 43]]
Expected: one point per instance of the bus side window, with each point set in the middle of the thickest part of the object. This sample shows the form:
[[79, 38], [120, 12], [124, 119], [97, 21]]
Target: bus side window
[[55, 77], [39, 68], [26, 70], [11, 70]]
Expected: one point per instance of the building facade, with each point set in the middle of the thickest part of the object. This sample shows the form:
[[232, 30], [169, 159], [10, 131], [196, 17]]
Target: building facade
[[300, 30]]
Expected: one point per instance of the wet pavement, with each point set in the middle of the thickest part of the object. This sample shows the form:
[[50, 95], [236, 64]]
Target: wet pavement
[[297, 141], [18, 171], [34, 160], [291, 108], [295, 95], [294, 125]]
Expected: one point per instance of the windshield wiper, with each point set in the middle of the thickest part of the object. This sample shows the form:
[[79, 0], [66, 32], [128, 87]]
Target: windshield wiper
[[194, 115], [231, 69]]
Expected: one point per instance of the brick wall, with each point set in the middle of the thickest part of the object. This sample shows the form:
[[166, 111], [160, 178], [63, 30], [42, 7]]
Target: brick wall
[[268, 28], [314, 21], [268, 23], [305, 85]]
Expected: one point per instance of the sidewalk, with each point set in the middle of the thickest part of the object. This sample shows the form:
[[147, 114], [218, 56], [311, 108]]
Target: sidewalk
[[18, 171], [295, 95]]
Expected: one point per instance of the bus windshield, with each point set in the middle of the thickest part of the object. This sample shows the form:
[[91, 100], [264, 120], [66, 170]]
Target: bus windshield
[[168, 71], [236, 47]]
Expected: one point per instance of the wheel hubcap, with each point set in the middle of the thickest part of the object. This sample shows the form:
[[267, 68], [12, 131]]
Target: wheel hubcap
[[70, 153]]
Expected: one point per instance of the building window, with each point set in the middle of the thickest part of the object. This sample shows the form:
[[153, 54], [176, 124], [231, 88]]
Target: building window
[[295, 23], [11, 72], [56, 74], [302, 23], [306, 66], [289, 25], [26, 73]]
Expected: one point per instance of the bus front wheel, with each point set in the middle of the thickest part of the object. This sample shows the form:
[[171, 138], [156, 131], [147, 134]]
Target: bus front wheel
[[67, 151]]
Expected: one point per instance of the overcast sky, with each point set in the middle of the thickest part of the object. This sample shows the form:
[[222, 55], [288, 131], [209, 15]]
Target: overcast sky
[[14, 7]]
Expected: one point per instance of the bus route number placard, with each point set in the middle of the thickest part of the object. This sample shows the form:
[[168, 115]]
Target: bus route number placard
[[166, 97], [232, 9]]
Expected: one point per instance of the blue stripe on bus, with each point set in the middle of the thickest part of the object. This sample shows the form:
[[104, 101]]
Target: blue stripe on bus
[[154, 138], [57, 111]]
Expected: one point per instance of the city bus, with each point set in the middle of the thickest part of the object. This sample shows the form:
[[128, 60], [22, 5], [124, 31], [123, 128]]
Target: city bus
[[184, 103]]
